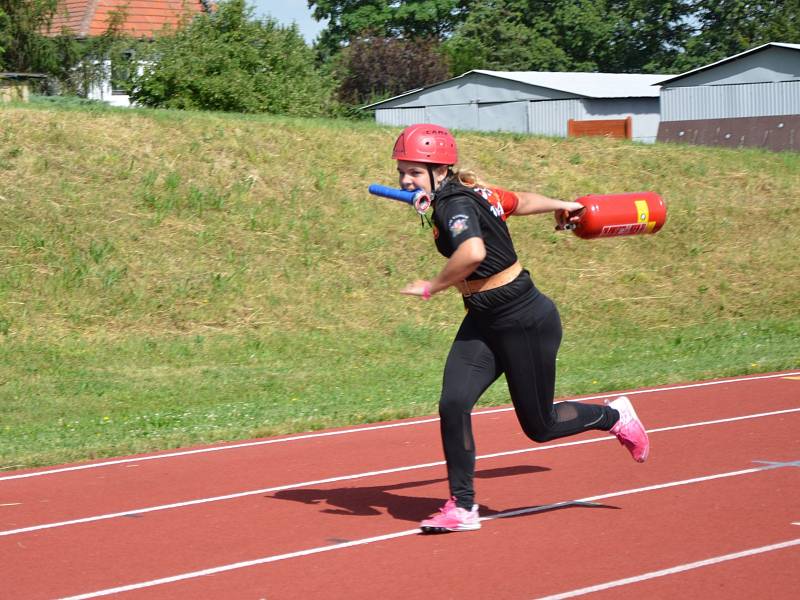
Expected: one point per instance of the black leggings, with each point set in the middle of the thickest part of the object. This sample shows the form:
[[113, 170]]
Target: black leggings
[[518, 335]]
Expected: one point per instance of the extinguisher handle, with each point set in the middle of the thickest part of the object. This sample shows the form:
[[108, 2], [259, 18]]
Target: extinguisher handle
[[567, 225]]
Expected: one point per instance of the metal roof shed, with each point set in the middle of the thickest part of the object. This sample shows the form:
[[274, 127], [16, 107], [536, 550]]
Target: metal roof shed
[[750, 99], [536, 102]]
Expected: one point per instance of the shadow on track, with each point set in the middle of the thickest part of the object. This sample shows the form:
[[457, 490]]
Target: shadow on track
[[376, 500]]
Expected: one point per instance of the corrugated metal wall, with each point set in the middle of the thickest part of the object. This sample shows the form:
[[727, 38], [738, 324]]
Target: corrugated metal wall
[[399, 117], [550, 118], [503, 116], [547, 117], [730, 101], [455, 116]]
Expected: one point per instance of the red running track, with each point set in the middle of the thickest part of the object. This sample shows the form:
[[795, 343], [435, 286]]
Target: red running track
[[714, 513]]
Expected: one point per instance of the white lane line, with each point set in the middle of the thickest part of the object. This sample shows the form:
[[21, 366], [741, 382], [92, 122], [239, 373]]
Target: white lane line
[[140, 459], [308, 436], [407, 532], [672, 570], [338, 478], [149, 509], [240, 565]]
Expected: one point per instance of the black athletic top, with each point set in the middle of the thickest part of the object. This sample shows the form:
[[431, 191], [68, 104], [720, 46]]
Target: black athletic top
[[461, 213]]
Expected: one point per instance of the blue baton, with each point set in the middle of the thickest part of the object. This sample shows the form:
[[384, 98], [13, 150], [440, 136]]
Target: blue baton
[[418, 198]]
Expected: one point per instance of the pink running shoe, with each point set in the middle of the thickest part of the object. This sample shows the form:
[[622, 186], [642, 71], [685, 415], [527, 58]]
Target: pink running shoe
[[629, 429], [452, 518]]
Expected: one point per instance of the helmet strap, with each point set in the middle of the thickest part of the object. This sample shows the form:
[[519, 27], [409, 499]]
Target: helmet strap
[[424, 217], [432, 180]]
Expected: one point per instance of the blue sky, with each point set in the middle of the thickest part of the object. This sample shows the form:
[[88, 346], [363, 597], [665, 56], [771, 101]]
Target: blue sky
[[288, 11]]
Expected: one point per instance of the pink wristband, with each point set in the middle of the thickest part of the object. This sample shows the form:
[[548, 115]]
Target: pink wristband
[[426, 292]]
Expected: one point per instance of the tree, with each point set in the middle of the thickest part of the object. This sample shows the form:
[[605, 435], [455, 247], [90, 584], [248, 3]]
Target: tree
[[649, 35], [418, 19], [532, 36], [628, 36], [5, 36], [229, 61], [371, 67], [785, 25], [22, 47], [505, 35], [728, 27], [560, 35]]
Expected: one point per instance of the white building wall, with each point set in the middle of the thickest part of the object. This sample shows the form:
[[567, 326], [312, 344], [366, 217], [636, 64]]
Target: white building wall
[[102, 91]]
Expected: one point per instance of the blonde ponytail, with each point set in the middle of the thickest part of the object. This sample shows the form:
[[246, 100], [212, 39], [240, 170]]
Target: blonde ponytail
[[468, 178]]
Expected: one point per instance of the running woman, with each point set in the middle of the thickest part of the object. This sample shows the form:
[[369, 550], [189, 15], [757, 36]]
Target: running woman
[[510, 327]]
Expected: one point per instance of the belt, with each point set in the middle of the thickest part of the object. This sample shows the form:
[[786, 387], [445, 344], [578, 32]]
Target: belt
[[467, 287]]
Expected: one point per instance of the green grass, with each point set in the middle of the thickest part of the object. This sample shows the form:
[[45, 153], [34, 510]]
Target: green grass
[[174, 278], [82, 399]]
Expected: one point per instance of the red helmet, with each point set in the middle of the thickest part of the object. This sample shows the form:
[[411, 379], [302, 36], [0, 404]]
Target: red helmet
[[426, 143]]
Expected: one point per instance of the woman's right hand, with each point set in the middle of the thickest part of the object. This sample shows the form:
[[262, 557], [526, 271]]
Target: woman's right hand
[[569, 213]]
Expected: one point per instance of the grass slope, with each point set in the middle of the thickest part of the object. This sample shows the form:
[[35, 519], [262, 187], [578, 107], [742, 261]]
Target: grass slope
[[172, 278]]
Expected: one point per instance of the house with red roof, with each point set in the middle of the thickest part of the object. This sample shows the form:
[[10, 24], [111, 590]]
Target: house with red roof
[[142, 19]]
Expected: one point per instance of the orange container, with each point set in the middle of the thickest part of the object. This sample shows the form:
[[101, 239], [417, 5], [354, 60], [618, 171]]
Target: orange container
[[612, 215]]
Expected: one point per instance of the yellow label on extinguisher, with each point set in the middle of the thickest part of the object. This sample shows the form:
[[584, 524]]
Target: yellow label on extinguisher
[[643, 214], [643, 211]]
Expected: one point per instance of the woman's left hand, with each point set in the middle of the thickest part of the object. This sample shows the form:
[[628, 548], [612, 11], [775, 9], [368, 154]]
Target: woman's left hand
[[419, 288]]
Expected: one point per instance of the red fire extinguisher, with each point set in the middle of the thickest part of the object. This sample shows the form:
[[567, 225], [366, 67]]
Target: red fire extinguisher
[[611, 215]]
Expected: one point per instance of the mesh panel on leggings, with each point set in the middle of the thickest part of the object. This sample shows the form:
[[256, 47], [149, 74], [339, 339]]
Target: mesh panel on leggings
[[589, 415], [565, 411]]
